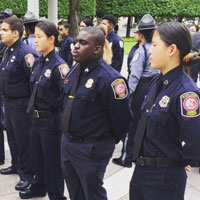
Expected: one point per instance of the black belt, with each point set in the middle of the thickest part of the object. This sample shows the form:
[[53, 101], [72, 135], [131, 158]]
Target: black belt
[[44, 113], [158, 162], [87, 138]]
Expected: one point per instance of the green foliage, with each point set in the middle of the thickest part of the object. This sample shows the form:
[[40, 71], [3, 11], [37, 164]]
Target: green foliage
[[88, 8], [20, 7], [137, 8]]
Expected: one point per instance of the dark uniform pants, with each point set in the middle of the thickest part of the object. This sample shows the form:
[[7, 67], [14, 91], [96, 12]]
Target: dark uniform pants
[[84, 165], [2, 153], [18, 124], [46, 157], [136, 102], [156, 183]]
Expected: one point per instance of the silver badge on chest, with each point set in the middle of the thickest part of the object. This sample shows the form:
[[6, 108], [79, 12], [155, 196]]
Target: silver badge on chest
[[164, 101], [89, 83], [47, 73]]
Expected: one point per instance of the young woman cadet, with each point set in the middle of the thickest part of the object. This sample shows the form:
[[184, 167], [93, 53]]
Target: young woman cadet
[[46, 101], [167, 140]]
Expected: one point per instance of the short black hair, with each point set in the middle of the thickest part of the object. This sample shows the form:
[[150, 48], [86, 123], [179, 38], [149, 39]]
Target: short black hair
[[110, 18], [97, 34], [178, 34], [50, 29], [31, 26], [88, 21], [15, 24], [148, 34], [65, 24]]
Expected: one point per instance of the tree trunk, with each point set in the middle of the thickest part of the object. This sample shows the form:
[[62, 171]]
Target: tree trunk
[[128, 28], [74, 17]]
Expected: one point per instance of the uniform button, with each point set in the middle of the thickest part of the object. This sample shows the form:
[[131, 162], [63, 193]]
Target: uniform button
[[166, 82], [147, 110], [11, 49]]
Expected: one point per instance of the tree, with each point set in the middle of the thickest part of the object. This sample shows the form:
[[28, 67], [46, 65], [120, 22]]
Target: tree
[[74, 16]]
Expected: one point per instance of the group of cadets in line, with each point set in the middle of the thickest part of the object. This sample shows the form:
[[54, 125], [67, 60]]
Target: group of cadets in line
[[63, 120]]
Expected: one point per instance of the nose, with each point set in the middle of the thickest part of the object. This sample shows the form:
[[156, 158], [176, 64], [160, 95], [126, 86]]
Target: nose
[[76, 46]]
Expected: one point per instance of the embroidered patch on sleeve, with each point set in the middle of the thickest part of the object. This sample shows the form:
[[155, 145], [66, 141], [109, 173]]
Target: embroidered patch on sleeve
[[190, 104], [64, 69], [121, 44], [135, 57], [30, 59], [119, 88]]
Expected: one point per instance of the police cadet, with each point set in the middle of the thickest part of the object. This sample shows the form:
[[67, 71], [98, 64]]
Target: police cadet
[[67, 43], [3, 15], [45, 101], [15, 73], [115, 42], [30, 21], [167, 139], [95, 117], [139, 80]]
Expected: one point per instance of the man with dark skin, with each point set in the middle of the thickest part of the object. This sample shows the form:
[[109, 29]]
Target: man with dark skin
[[95, 117]]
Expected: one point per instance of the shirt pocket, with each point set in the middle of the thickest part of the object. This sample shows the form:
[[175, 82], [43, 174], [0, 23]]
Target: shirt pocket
[[11, 69], [43, 87], [84, 102], [159, 115]]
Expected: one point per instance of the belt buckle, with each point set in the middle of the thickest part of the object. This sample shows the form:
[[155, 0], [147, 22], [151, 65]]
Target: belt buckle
[[37, 113], [141, 161]]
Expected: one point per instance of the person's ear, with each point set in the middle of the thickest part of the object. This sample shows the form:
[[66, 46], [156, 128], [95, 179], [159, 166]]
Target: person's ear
[[98, 50], [15, 33], [51, 39], [172, 49]]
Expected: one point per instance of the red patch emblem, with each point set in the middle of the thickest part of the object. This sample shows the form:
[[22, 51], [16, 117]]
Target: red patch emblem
[[190, 104], [30, 59], [64, 69], [119, 88]]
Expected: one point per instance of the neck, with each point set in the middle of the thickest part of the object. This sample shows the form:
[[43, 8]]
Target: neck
[[169, 67], [45, 53], [12, 42]]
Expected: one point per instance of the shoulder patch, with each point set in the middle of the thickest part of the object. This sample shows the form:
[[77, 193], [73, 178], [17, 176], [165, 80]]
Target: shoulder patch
[[119, 88], [190, 104], [64, 69], [135, 57], [121, 44], [30, 59]]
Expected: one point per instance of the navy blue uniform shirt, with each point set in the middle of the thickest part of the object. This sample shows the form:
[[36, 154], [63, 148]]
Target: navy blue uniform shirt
[[173, 126], [101, 102], [18, 70], [49, 94], [117, 46], [65, 49]]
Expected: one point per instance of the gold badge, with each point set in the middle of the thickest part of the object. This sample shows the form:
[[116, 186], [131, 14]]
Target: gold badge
[[89, 83]]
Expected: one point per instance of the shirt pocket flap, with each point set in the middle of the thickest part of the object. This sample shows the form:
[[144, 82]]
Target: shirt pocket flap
[[45, 82]]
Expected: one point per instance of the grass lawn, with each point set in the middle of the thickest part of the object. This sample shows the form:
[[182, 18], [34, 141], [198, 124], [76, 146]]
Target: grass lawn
[[128, 44]]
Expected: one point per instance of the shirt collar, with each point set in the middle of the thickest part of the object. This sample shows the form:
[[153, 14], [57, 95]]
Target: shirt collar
[[171, 75], [48, 56], [15, 45], [90, 66]]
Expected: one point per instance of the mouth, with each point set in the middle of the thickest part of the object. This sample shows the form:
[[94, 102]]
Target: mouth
[[74, 53]]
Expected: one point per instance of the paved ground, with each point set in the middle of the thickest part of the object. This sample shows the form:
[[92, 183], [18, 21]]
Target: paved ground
[[116, 179]]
